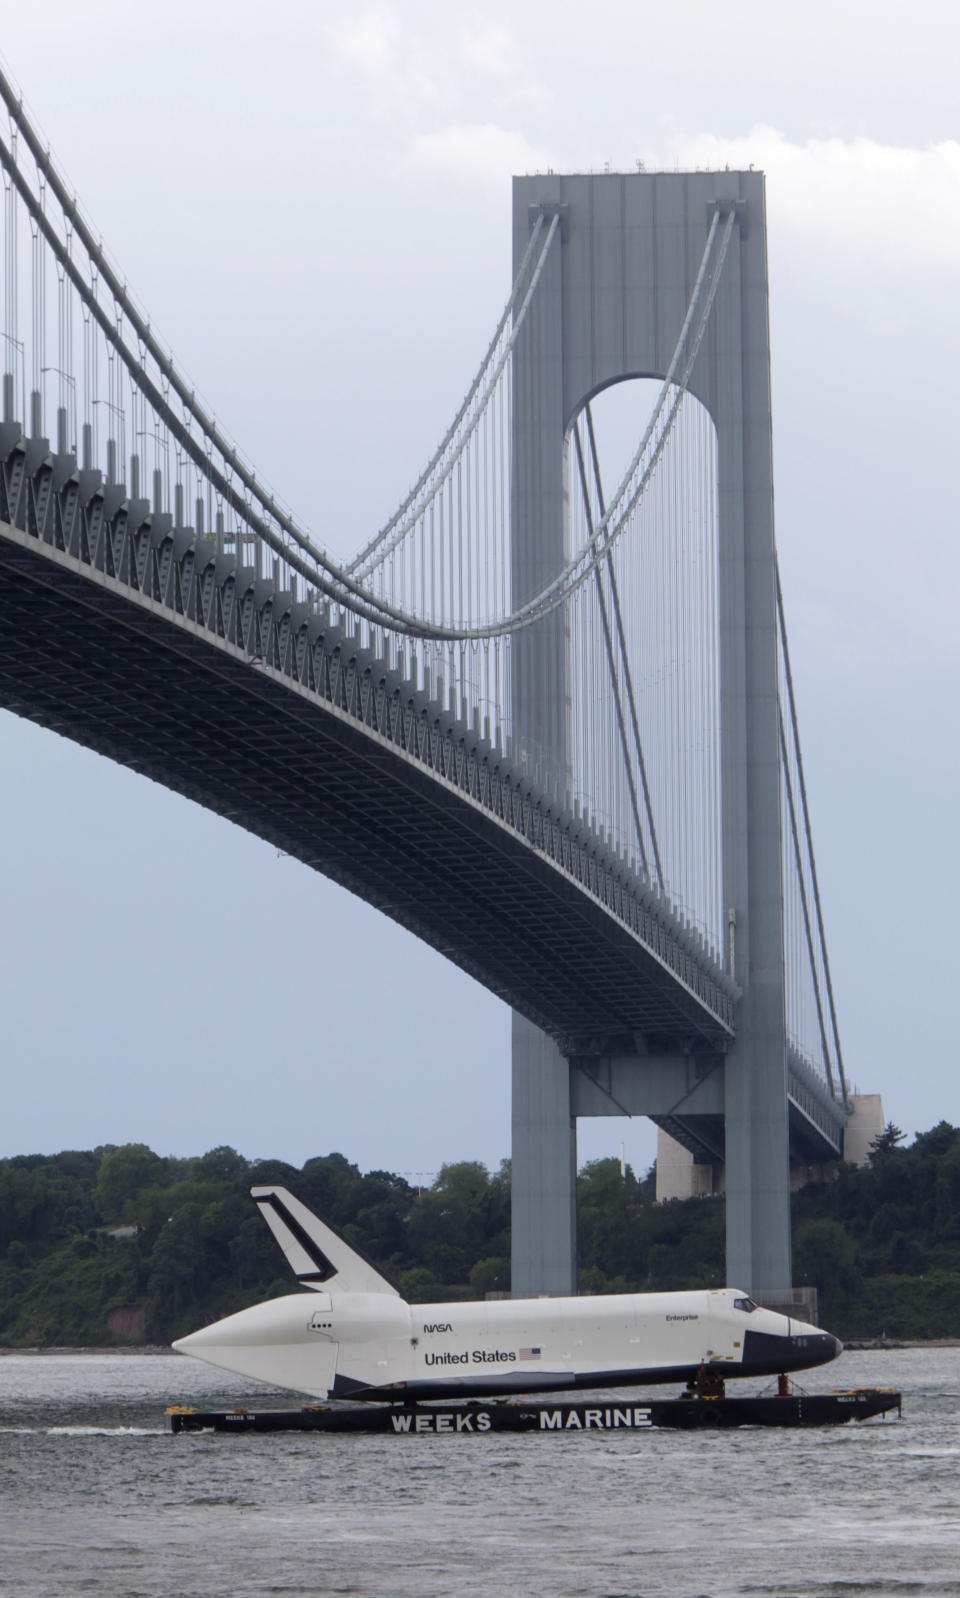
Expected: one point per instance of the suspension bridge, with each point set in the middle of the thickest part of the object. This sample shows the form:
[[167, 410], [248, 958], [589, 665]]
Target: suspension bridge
[[544, 721]]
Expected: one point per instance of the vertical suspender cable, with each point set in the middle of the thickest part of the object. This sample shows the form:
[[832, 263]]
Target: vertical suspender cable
[[806, 823], [621, 639], [608, 642], [803, 897]]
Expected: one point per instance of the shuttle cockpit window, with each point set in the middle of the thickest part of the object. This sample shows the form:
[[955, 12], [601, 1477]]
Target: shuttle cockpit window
[[746, 1304]]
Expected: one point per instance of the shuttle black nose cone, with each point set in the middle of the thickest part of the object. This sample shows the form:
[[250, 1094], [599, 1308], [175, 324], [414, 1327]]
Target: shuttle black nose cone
[[765, 1353], [814, 1348]]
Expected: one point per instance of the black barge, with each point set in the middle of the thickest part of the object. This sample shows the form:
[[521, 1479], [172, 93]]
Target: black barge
[[431, 1420]]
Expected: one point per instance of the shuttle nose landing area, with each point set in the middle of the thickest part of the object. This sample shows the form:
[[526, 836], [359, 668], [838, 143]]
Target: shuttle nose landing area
[[766, 1354]]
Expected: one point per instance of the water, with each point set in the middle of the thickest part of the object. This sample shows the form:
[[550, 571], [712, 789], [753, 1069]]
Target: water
[[97, 1497]]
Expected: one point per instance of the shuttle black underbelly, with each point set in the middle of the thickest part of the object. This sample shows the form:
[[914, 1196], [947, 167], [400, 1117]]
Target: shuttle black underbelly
[[763, 1355]]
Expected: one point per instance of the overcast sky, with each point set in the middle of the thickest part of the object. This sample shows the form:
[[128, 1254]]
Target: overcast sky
[[312, 201]]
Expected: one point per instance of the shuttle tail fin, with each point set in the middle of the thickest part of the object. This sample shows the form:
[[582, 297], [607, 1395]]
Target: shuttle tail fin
[[318, 1257]]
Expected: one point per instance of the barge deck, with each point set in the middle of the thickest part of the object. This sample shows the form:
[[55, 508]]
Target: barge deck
[[683, 1414]]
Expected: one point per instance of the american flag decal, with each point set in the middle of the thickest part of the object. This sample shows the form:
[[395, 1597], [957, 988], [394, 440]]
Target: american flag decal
[[529, 1353]]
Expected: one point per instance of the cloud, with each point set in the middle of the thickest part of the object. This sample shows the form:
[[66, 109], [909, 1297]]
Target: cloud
[[403, 78], [449, 98], [893, 205], [490, 50], [477, 152]]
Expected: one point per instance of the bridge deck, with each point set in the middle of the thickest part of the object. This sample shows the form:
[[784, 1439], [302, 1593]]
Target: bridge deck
[[91, 655]]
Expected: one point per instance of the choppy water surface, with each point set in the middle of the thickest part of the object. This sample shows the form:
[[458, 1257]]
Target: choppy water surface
[[97, 1497]]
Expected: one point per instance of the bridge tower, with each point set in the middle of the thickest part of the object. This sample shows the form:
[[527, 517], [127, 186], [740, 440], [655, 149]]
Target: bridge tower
[[610, 306]]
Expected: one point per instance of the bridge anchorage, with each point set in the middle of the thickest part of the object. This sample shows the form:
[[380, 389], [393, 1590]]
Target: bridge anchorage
[[544, 722]]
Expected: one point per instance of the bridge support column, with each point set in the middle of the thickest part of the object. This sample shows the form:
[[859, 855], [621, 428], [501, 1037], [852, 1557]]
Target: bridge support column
[[755, 1073], [610, 306], [544, 1181], [757, 1174], [543, 1224]]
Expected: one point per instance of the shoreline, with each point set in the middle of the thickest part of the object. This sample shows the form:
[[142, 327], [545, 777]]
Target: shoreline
[[89, 1348], [858, 1344]]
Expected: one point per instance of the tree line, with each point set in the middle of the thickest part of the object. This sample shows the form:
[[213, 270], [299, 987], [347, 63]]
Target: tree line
[[121, 1244]]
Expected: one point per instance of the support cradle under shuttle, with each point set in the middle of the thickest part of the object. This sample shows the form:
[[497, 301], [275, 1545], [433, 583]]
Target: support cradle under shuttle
[[353, 1336]]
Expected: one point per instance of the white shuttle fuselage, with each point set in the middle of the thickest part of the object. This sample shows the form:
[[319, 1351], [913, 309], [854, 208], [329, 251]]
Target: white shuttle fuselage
[[353, 1336]]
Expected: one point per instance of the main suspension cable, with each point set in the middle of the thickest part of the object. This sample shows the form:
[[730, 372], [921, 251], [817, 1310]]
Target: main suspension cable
[[330, 578]]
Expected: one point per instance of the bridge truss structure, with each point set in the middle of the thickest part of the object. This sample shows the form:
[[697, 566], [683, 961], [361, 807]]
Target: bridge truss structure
[[547, 723]]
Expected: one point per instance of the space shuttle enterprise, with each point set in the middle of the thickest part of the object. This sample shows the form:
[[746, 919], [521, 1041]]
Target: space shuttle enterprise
[[353, 1336]]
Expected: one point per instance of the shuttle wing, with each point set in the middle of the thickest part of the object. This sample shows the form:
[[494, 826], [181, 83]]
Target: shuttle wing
[[318, 1257]]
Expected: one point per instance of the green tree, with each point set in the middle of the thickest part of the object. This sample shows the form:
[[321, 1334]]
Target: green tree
[[886, 1141], [826, 1257], [222, 1164], [612, 1239], [123, 1174], [491, 1275], [451, 1224]]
